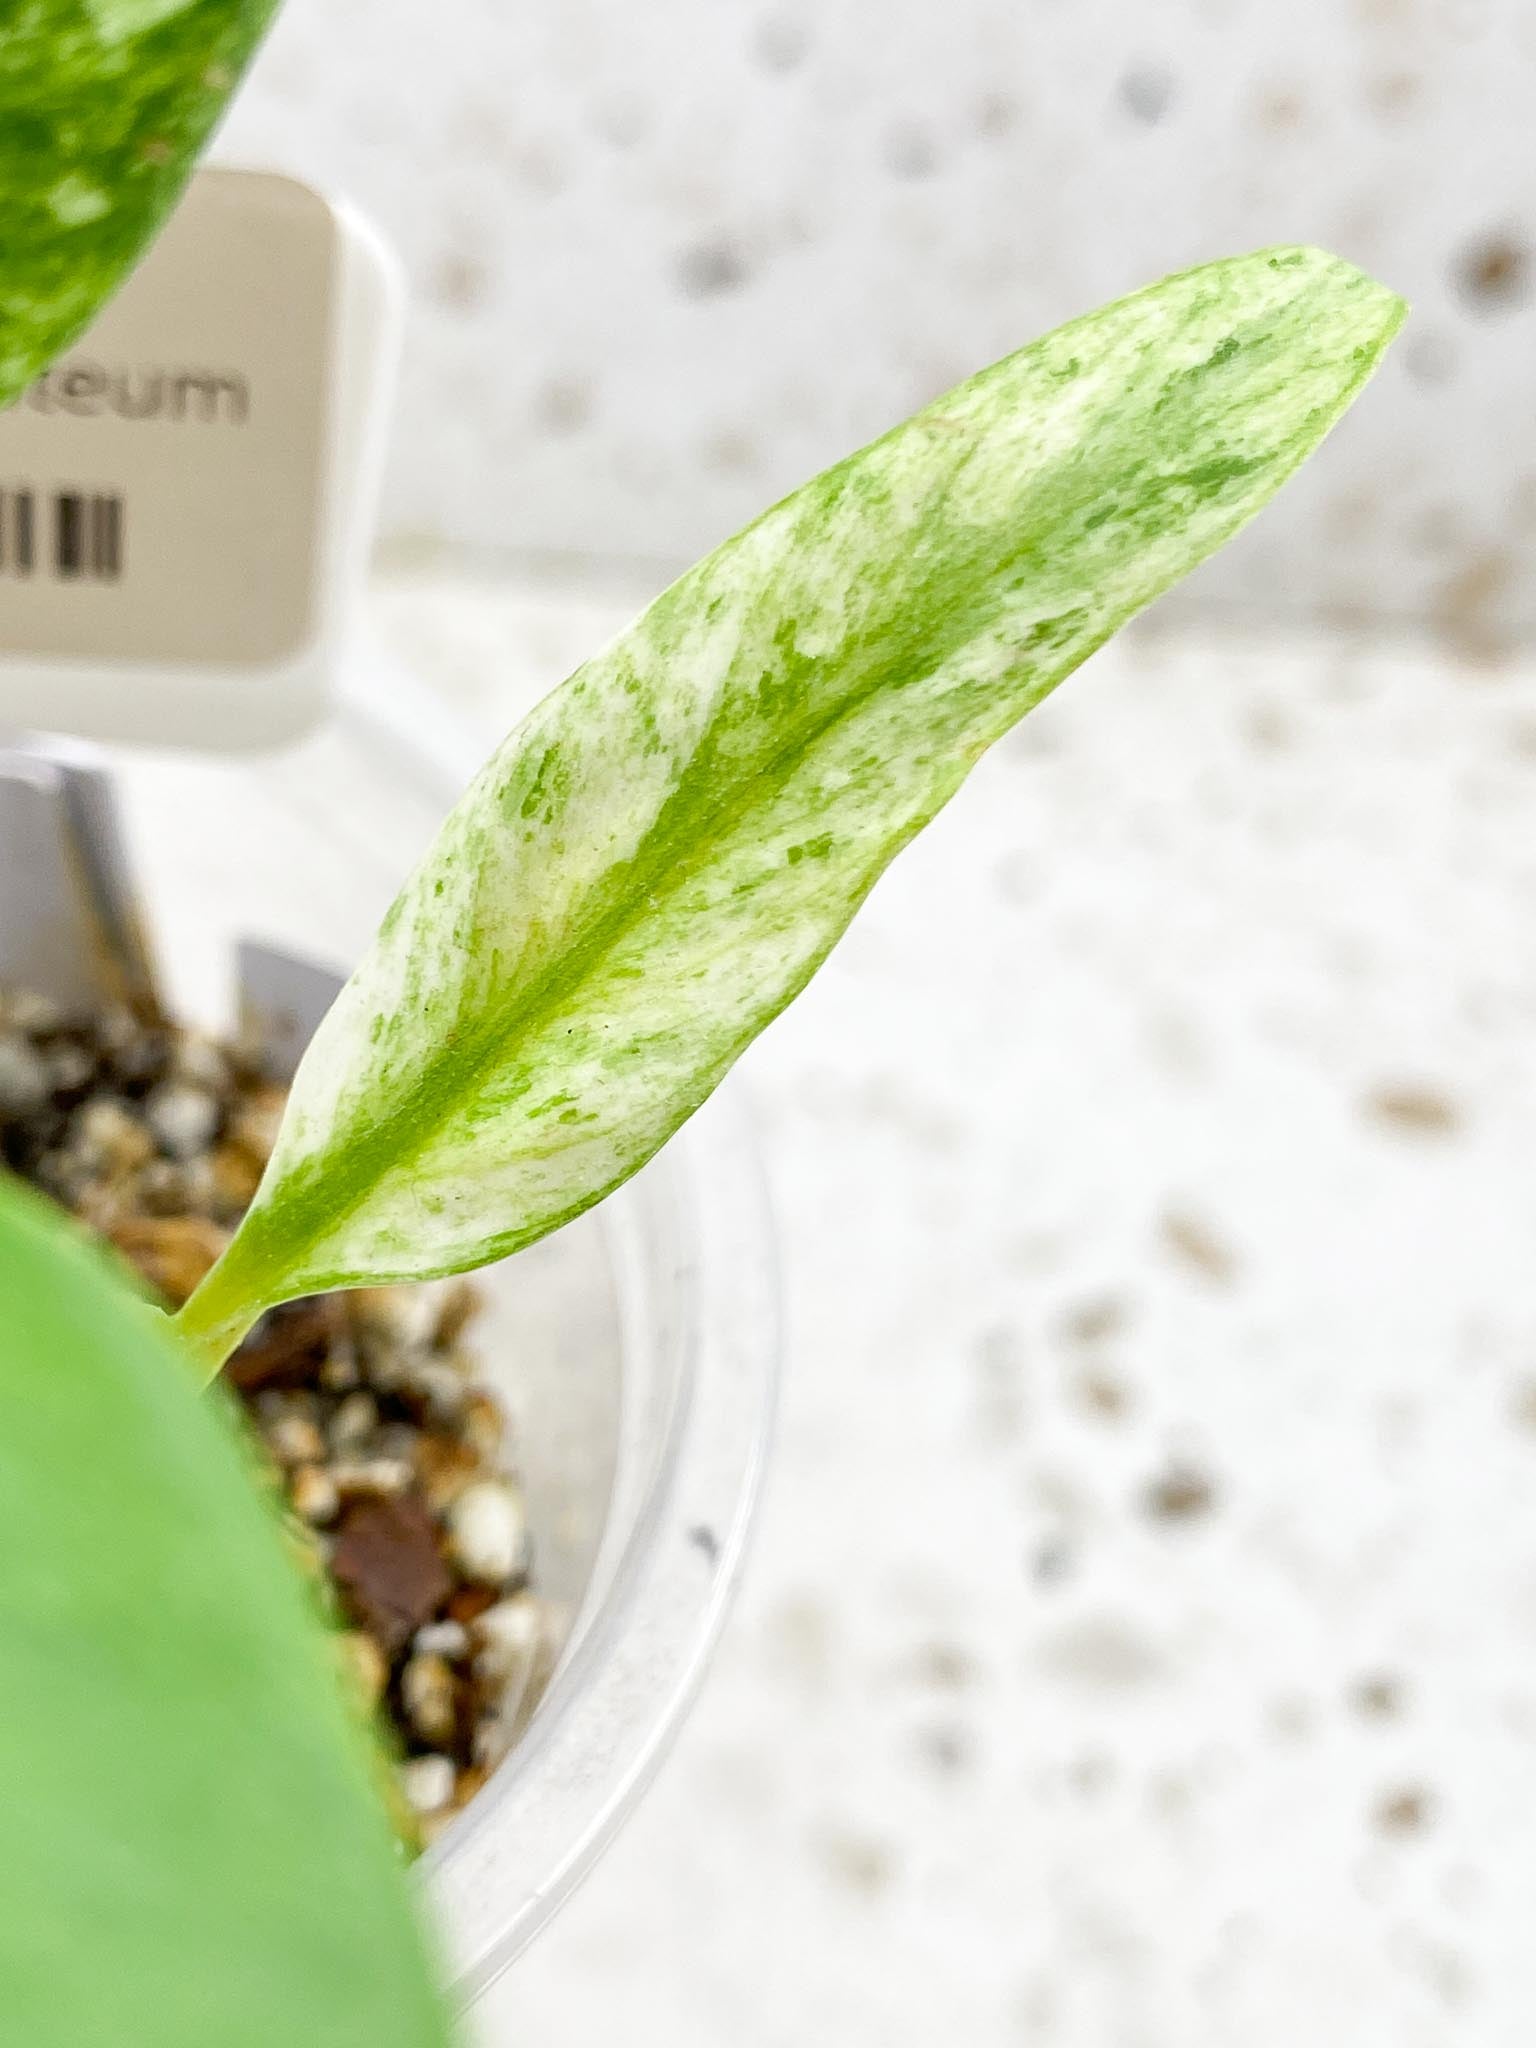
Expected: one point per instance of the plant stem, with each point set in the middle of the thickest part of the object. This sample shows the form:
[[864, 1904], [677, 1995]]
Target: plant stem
[[215, 1318]]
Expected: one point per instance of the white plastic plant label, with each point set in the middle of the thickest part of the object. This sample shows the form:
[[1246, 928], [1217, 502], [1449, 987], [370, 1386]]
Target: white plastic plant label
[[187, 495]]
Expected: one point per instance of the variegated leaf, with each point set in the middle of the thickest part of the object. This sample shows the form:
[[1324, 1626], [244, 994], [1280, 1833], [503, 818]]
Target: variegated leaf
[[104, 106], [662, 854]]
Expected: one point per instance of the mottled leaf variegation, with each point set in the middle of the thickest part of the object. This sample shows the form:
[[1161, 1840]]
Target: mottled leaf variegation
[[662, 854], [104, 106]]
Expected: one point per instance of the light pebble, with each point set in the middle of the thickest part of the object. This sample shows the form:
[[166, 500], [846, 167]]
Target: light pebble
[[508, 1637], [23, 1078], [427, 1695], [448, 1639], [487, 1527], [314, 1494], [166, 1188], [385, 1366], [295, 1440], [117, 1029], [182, 1119], [427, 1782], [437, 1384], [482, 1426], [64, 1176], [198, 1061], [69, 1067], [371, 1475], [339, 1374], [407, 1316], [105, 1135], [26, 1010], [355, 1420]]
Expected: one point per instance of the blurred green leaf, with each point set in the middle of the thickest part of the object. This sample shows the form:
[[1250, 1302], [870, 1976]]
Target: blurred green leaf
[[195, 1855], [104, 107]]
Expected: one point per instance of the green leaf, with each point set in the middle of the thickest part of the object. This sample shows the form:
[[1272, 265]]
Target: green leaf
[[195, 1852], [104, 106], [663, 853]]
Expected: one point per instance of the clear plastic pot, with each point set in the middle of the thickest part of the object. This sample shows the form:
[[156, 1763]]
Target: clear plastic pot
[[635, 1349]]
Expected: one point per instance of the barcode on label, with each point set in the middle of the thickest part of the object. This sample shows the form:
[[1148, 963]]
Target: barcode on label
[[61, 533]]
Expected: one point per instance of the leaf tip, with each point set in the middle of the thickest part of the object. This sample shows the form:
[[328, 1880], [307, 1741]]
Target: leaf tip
[[1370, 305]]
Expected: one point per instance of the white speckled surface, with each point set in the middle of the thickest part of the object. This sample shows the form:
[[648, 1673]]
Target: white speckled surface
[[667, 261], [1140, 1646]]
